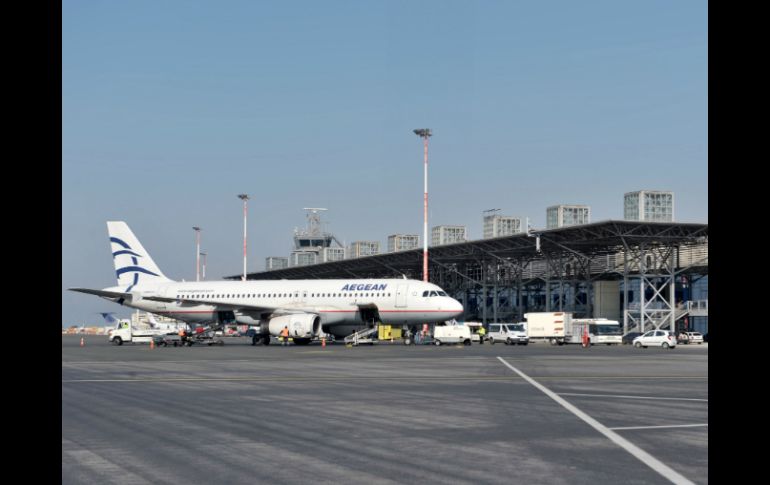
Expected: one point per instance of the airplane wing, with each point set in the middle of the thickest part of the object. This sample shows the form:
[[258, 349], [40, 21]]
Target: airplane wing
[[229, 306], [106, 294]]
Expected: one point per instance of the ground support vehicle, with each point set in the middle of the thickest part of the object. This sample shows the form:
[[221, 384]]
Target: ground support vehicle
[[167, 339], [126, 332], [547, 326], [451, 333], [508, 333], [600, 331]]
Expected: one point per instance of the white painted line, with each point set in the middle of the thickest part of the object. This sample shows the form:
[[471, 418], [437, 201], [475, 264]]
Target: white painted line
[[667, 426], [649, 460], [634, 397]]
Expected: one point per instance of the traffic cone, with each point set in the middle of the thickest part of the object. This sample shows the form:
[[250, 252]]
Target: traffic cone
[[152, 344], [82, 341], [323, 342]]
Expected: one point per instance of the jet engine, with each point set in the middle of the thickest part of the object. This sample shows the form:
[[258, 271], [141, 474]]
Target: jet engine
[[301, 325]]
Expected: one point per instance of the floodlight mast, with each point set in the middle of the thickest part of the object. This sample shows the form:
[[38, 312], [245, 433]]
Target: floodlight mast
[[244, 198], [425, 133], [197, 252]]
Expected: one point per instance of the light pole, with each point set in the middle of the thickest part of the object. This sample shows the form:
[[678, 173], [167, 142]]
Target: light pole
[[244, 198], [197, 252], [425, 133], [202, 253]]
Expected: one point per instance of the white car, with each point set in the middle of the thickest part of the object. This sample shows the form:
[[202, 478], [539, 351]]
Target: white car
[[656, 338], [510, 333], [692, 338]]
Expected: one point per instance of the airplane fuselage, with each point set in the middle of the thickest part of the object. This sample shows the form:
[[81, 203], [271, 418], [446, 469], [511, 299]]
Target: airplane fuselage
[[337, 302]]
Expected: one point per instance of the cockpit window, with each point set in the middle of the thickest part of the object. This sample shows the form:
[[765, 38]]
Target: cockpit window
[[433, 293], [425, 293], [441, 293]]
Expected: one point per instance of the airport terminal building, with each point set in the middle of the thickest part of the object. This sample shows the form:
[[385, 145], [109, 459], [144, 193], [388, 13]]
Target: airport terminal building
[[645, 274]]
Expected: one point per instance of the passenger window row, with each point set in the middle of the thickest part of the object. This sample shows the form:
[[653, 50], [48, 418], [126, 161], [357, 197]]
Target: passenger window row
[[287, 295]]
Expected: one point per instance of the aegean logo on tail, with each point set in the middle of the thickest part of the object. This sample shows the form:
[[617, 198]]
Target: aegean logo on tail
[[129, 269]]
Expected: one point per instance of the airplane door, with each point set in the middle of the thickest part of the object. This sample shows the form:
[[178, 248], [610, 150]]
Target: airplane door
[[401, 292]]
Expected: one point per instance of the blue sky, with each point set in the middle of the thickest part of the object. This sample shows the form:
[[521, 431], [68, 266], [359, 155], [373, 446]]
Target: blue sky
[[170, 109]]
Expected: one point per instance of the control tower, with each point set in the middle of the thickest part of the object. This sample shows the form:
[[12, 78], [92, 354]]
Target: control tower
[[313, 245]]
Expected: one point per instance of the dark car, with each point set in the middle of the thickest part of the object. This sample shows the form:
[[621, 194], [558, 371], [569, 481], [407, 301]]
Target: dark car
[[629, 337]]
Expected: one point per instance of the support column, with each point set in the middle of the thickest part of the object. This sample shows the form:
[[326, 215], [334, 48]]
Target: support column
[[547, 285], [494, 304], [625, 292]]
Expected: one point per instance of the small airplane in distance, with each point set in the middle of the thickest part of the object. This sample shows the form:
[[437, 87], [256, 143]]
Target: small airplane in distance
[[163, 326], [111, 320], [308, 308]]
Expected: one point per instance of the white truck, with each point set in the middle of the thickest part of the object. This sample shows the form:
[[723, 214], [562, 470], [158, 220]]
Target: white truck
[[510, 333], [548, 326], [600, 331], [451, 333], [124, 331]]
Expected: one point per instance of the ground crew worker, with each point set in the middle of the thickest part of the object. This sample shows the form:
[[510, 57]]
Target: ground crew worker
[[285, 335], [482, 332], [183, 335]]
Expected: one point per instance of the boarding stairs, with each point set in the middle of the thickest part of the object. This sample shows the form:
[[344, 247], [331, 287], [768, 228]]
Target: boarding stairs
[[207, 336], [363, 336], [657, 316]]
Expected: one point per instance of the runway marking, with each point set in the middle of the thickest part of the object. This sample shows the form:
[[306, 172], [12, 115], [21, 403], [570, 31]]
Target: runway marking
[[649, 460], [633, 397], [294, 379], [665, 426]]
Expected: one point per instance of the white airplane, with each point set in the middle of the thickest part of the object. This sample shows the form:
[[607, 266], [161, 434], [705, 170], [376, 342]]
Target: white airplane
[[307, 307], [111, 320]]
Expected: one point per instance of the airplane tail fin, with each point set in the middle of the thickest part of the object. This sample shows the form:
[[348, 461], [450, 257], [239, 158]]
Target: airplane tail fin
[[133, 263], [108, 317]]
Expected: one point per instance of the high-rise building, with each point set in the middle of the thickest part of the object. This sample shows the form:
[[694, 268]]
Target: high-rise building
[[332, 254], [567, 215], [498, 226], [403, 242], [276, 262], [649, 205], [303, 258], [447, 235], [359, 249]]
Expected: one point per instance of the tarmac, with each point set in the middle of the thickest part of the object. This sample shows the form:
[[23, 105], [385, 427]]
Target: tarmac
[[381, 414]]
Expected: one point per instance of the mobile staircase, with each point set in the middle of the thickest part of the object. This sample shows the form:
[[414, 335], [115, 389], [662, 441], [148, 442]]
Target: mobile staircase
[[363, 336]]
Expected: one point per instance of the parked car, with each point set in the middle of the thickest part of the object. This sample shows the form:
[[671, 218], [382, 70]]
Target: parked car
[[628, 338], [694, 338], [656, 338]]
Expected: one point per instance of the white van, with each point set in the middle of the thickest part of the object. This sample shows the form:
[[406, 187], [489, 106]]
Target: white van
[[451, 333], [510, 333]]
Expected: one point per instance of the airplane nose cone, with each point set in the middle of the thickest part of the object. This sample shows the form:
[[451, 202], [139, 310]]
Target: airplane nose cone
[[457, 308]]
